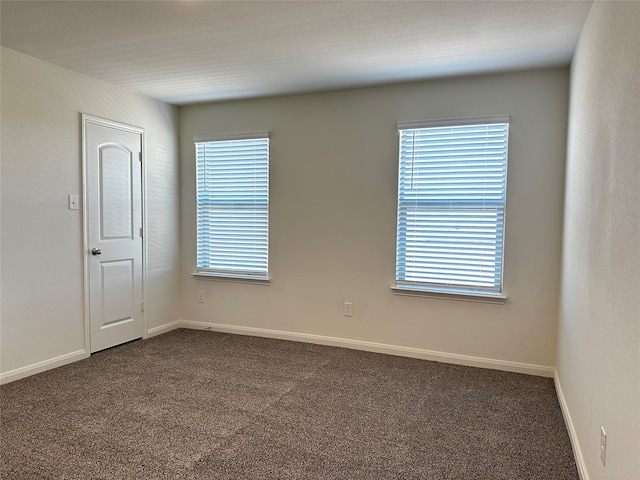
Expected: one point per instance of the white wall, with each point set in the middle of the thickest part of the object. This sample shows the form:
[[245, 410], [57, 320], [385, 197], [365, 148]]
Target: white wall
[[599, 318], [333, 214], [42, 252]]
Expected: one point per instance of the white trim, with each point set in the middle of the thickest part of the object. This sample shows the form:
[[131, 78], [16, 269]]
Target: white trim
[[517, 367], [166, 328], [463, 297], [85, 238], [583, 473], [145, 236], [454, 122], [233, 136], [111, 123], [67, 358], [531, 369], [87, 119], [23, 372], [220, 277]]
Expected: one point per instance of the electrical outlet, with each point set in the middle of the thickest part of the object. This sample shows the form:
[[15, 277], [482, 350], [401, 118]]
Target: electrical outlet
[[603, 445], [200, 296], [348, 309]]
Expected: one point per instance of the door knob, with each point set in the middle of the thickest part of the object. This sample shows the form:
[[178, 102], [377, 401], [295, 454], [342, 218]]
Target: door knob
[[96, 251]]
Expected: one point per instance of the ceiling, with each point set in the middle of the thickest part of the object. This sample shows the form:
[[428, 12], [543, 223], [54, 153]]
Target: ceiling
[[184, 52]]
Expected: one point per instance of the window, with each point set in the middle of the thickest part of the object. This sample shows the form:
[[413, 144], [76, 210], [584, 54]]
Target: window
[[232, 199], [451, 206]]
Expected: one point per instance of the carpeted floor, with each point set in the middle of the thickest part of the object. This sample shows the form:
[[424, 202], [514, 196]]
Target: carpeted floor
[[203, 405]]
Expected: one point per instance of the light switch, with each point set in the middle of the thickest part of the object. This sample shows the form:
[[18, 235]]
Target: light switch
[[73, 202]]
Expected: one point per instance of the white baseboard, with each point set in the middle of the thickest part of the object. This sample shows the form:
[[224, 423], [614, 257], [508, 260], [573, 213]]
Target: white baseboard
[[575, 444], [457, 359], [444, 357], [167, 327], [23, 372]]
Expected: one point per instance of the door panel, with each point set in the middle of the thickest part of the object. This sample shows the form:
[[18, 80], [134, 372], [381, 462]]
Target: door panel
[[115, 183], [117, 292], [114, 220]]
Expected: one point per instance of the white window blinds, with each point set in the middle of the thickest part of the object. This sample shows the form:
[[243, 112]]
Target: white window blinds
[[451, 205], [232, 197]]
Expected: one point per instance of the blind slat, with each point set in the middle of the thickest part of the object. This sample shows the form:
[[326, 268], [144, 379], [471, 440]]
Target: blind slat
[[451, 205], [232, 198]]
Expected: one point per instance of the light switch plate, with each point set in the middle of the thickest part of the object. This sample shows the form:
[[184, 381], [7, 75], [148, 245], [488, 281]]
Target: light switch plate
[[73, 202]]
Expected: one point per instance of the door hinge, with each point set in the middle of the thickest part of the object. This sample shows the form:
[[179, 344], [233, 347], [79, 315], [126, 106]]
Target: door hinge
[[142, 307], [140, 156], [141, 232]]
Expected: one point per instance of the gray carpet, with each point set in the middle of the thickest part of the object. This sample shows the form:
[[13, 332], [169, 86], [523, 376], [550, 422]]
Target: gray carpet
[[203, 405]]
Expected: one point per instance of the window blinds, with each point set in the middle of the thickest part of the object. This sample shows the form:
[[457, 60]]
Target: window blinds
[[232, 197], [451, 207]]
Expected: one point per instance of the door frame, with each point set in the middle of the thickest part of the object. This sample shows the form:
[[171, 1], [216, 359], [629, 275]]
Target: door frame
[[86, 120]]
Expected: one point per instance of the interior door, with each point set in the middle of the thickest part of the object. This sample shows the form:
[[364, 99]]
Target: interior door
[[113, 193]]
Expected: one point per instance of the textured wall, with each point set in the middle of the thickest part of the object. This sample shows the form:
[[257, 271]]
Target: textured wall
[[42, 251], [333, 213], [599, 319]]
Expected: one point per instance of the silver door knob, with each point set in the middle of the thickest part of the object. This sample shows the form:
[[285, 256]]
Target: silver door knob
[[96, 251]]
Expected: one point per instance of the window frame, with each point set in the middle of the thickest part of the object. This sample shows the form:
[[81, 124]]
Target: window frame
[[246, 276], [452, 291]]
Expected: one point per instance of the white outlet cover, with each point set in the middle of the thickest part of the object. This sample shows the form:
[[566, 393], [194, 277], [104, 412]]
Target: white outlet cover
[[73, 202]]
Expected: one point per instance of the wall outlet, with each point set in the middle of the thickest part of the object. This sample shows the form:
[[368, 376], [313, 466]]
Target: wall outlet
[[603, 445], [200, 296], [348, 309]]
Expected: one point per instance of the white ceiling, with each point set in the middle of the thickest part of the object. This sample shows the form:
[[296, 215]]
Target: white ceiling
[[191, 51]]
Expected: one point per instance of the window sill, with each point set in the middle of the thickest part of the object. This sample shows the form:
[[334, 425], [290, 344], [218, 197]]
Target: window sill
[[462, 297], [231, 278]]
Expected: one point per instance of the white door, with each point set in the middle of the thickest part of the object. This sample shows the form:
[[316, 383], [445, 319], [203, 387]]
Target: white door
[[113, 229]]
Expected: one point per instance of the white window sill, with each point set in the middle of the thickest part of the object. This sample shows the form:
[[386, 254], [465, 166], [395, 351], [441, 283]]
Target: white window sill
[[231, 278], [459, 296]]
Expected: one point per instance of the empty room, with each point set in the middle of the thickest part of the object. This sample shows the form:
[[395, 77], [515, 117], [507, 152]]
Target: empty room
[[320, 240]]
